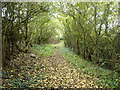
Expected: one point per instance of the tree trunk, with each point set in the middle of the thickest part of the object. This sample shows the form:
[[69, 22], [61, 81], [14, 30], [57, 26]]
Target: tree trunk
[[0, 35]]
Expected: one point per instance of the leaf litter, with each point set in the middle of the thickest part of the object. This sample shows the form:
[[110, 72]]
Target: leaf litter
[[53, 71]]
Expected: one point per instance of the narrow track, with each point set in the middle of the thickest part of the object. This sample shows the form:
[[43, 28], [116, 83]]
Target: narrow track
[[61, 75]]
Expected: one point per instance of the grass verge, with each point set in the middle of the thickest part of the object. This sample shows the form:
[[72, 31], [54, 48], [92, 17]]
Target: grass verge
[[103, 77], [44, 50]]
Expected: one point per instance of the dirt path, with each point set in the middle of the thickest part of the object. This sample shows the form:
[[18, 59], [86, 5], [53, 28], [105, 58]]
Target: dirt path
[[60, 74]]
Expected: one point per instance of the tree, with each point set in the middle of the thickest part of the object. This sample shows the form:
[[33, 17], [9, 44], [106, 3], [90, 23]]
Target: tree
[[16, 18], [88, 31]]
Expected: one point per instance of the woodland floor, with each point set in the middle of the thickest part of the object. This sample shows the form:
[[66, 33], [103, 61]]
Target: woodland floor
[[52, 70], [61, 74]]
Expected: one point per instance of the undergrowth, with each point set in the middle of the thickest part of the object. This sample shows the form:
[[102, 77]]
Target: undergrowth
[[25, 71], [103, 77], [44, 50]]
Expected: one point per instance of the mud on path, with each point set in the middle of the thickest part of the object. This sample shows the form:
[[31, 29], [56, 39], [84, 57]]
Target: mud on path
[[61, 75]]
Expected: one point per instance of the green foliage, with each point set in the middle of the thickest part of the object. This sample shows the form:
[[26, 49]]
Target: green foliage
[[21, 28], [44, 50], [88, 32], [104, 77]]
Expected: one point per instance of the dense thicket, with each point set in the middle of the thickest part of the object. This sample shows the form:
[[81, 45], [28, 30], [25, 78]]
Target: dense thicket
[[91, 30], [24, 24]]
